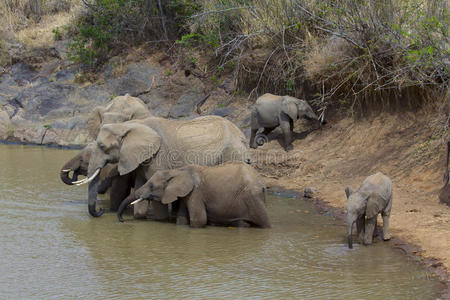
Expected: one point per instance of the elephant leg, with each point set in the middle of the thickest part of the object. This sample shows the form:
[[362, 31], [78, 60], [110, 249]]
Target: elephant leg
[[291, 125], [182, 213], [160, 211], [120, 189], [140, 209], [197, 212], [386, 233], [286, 129], [360, 223], [104, 186], [254, 128], [369, 228]]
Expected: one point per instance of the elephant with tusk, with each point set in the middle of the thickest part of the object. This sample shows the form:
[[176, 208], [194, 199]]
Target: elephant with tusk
[[144, 146], [374, 196], [118, 110], [231, 194]]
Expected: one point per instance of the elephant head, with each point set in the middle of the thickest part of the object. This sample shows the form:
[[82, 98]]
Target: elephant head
[[356, 206], [164, 186], [127, 144], [78, 165], [296, 108], [120, 109]]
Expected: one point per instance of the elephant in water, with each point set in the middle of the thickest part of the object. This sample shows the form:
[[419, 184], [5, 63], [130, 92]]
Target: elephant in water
[[271, 111], [444, 193], [118, 110], [374, 196], [145, 146], [228, 194]]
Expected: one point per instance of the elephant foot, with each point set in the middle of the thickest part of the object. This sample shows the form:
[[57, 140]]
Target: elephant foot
[[253, 146], [182, 221], [387, 237], [289, 148]]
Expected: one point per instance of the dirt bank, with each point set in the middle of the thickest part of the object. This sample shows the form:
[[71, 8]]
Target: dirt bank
[[405, 147]]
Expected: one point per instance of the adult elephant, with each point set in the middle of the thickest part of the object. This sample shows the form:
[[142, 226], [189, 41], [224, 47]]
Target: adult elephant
[[271, 111], [229, 194], [118, 110], [145, 146]]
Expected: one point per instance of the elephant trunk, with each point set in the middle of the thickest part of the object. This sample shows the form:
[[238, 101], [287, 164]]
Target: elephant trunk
[[64, 175], [350, 220], [92, 198], [127, 201]]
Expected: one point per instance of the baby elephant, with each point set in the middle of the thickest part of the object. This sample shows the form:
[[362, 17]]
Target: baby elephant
[[271, 111], [228, 194], [374, 196]]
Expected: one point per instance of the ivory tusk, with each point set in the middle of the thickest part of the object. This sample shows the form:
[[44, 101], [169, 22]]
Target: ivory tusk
[[86, 180], [66, 170], [136, 201]]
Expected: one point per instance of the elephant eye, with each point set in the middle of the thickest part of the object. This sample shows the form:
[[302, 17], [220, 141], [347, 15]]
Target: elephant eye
[[151, 186]]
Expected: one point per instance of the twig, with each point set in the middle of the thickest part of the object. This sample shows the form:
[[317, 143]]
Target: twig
[[262, 73], [218, 11]]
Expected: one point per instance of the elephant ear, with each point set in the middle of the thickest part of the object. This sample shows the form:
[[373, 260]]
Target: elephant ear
[[178, 186], [374, 205], [348, 191], [94, 122], [289, 107], [139, 143]]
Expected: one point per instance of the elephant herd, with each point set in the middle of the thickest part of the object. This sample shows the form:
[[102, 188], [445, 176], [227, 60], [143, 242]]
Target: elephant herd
[[198, 171]]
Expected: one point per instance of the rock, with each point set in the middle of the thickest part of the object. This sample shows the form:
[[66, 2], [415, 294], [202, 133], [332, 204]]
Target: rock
[[309, 192], [5, 124], [224, 111], [185, 104], [137, 79]]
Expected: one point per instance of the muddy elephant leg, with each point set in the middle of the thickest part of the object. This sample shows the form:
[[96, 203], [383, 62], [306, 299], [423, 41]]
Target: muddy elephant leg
[[286, 129], [291, 125], [160, 211], [386, 233], [369, 228], [254, 128], [360, 223], [120, 189], [197, 212], [140, 209]]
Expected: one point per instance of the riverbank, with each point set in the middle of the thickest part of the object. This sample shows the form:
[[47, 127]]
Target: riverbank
[[346, 151]]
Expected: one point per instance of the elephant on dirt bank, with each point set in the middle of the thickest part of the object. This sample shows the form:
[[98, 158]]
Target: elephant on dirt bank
[[118, 110], [374, 196], [271, 111], [229, 194], [145, 146]]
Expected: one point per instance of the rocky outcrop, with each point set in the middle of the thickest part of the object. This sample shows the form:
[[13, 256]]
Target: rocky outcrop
[[47, 105]]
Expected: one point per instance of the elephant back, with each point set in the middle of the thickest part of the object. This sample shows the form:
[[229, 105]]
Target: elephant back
[[201, 141], [377, 183]]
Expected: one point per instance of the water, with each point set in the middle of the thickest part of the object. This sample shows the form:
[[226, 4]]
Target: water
[[51, 248]]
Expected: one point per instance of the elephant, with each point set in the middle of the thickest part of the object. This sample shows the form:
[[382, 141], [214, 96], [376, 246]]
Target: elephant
[[145, 146], [228, 194], [374, 196], [271, 111], [444, 193], [119, 186], [120, 109]]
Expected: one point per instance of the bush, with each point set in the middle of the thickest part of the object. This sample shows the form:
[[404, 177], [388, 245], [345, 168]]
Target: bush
[[351, 52], [107, 27]]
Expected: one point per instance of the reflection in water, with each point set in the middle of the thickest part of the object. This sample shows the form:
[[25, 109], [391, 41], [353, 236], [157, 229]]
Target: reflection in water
[[50, 247]]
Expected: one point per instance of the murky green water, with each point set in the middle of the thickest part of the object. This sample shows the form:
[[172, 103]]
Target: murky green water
[[51, 248]]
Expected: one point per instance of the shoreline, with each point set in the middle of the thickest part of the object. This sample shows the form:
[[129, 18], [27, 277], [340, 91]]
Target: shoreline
[[410, 250], [51, 145]]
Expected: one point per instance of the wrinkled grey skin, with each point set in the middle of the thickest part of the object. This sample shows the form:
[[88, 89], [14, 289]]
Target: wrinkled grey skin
[[119, 186], [145, 146], [374, 196], [118, 110], [444, 193], [271, 111], [229, 194]]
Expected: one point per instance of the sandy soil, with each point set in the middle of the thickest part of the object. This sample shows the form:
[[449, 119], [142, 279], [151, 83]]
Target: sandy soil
[[344, 152]]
